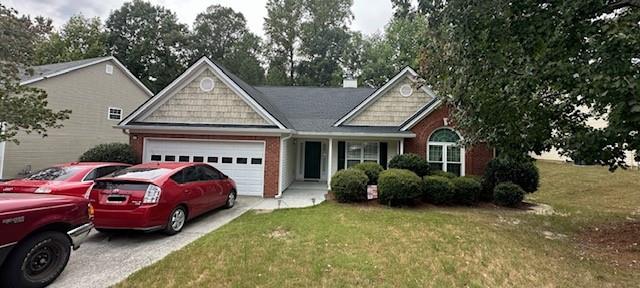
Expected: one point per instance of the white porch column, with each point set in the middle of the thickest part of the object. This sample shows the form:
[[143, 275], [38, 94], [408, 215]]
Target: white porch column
[[329, 164], [401, 146]]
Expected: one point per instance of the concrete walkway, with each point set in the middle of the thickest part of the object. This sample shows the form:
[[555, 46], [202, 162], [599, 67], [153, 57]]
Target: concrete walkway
[[298, 195], [104, 260]]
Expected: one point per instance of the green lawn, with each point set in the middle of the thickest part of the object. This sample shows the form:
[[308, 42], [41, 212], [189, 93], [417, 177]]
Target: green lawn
[[335, 245]]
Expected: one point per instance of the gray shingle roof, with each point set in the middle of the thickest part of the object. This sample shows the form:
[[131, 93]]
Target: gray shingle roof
[[50, 69], [316, 109]]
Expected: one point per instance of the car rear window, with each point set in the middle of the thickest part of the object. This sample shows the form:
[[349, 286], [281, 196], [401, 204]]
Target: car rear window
[[140, 173], [54, 173]]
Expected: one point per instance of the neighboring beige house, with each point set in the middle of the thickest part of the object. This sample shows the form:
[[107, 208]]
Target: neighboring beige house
[[99, 91]]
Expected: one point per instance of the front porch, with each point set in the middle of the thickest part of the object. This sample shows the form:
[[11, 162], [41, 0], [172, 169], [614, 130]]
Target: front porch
[[299, 194]]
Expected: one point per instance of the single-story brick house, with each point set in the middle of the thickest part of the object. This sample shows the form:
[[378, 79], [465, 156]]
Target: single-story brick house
[[268, 137]]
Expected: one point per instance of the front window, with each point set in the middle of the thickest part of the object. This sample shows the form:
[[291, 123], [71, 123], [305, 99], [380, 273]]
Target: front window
[[359, 152], [444, 152], [55, 173]]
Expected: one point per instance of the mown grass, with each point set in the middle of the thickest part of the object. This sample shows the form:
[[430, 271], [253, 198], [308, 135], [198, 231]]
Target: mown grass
[[336, 245]]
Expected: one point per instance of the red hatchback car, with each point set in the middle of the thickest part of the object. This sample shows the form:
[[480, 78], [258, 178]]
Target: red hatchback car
[[155, 196], [72, 179]]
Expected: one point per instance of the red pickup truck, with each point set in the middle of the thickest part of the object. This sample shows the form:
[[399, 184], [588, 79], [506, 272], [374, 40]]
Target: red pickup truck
[[37, 233]]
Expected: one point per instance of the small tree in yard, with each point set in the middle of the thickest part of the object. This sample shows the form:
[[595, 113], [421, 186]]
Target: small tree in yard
[[112, 152]]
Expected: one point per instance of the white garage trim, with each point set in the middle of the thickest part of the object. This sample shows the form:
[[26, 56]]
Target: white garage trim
[[249, 177], [2, 148]]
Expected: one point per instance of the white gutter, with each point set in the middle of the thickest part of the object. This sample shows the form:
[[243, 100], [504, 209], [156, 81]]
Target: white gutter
[[282, 148], [229, 130], [356, 134]]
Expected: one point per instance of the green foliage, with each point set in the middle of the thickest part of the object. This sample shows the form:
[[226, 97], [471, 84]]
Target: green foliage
[[398, 187], [508, 194], [22, 108], [372, 170], [526, 76], [149, 41], [410, 162], [221, 34], [521, 172], [443, 174], [80, 38], [111, 152], [466, 191], [282, 27], [437, 190], [349, 185]]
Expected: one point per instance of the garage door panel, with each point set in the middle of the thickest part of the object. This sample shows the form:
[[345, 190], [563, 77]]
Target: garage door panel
[[242, 161]]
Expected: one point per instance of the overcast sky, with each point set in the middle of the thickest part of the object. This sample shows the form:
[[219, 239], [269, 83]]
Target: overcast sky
[[370, 15]]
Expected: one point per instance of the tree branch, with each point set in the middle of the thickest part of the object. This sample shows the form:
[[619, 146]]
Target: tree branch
[[624, 3]]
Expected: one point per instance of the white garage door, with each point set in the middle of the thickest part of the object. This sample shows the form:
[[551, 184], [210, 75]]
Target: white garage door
[[242, 161]]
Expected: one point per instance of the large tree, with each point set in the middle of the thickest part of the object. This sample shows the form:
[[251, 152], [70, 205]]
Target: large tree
[[325, 35], [526, 76], [22, 108], [80, 38], [221, 34], [282, 27], [150, 41]]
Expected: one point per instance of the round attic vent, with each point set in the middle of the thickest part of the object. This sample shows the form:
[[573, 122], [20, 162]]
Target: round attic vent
[[206, 84], [406, 90]]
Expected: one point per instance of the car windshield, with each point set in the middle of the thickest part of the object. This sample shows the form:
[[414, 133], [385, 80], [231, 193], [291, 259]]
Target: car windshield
[[54, 173], [139, 173]]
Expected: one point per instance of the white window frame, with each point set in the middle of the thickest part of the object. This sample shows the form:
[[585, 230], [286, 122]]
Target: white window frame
[[114, 108], [108, 69], [444, 146], [362, 159]]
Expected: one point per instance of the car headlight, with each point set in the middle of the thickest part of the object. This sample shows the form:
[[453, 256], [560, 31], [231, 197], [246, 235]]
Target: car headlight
[[43, 189], [152, 195]]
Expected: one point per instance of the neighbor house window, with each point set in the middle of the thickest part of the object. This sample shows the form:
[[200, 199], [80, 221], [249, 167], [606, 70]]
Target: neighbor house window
[[444, 152], [359, 152], [114, 113]]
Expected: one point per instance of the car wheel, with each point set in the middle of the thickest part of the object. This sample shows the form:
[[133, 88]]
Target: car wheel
[[176, 221], [231, 199], [36, 261]]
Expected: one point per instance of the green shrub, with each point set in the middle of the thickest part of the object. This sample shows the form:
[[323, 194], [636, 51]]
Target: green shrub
[[372, 170], [111, 152], [443, 174], [437, 190], [465, 190], [523, 173], [349, 185], [398, 187], [411, 162], [508, 194]]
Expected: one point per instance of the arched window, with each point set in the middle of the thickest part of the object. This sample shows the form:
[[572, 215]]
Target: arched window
[[445, 153]]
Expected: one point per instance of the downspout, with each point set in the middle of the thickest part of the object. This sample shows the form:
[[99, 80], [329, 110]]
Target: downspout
[[2, 150], [282, 151]]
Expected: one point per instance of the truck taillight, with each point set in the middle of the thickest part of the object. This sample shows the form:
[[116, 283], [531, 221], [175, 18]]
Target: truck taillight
[[152, 195]]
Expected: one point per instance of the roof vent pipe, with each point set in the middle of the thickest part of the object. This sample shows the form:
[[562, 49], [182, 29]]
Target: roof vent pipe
[[349, 81]]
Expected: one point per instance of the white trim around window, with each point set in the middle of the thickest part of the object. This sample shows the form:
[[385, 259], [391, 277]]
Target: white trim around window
[[114, 113], [443, 153], [363, 157]]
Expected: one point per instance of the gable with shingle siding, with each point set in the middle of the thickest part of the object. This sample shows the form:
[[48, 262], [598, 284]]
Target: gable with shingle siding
[[391, 108], [218, 106]]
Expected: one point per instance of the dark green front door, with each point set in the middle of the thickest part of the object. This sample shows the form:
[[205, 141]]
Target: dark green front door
[[312, 151]]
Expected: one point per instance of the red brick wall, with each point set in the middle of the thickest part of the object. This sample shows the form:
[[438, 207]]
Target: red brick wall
[[476, 157], [272, 153]]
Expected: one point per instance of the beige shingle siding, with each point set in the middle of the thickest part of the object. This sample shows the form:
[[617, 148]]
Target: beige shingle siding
[[391, 108], [88, 92], [218, 106]]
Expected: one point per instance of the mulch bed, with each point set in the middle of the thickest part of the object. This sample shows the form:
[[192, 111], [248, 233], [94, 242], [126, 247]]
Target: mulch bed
[[616, 243]]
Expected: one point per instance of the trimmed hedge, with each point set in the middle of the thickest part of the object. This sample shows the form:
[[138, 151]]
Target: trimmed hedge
[[349, 185], [111, 152], [508, 194], [466, 191], [522, 173], [437, 190], [443, 174], [372, 170], [411, 162], [398, 187]]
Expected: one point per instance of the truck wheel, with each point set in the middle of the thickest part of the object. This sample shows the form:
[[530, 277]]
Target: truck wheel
[[36, 261], [176, 220]]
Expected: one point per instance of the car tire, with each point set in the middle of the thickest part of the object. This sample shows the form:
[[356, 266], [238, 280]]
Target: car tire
[[231, 199], [37, 261], [176, 221]]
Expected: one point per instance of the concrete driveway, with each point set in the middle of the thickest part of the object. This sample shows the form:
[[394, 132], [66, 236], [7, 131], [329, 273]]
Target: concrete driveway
[[105, 260]]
